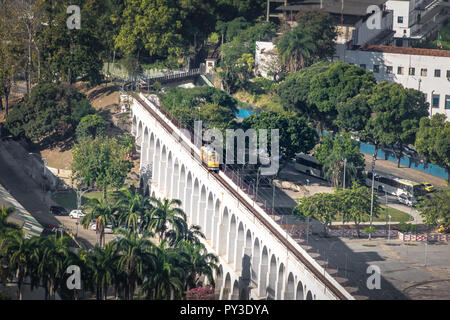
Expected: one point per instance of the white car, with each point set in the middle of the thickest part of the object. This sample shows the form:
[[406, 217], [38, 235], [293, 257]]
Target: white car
[[107, 229], [76, 214], [405, 199]]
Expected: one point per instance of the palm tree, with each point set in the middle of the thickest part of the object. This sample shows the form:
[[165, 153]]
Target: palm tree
[[334, 169], [102, 263], [165, 280], [295, 47], [103, 212], [56, 257], [135, 258], [134, 208], [19, 251], [5, 212], [167, 213], [199, 263], [193, 234]]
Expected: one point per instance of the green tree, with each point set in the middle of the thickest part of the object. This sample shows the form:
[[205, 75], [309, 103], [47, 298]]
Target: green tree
[[355, 204], [135, 210], [103, 212], [295, 48], [397, 115], [321, 27], [435, 208], [102, 162], [337, 84], [321, 206], [51, 111], [295, 135], [332, 152], [165, 281], [5, 225], [166, 215], [91, 126], [433, 141]]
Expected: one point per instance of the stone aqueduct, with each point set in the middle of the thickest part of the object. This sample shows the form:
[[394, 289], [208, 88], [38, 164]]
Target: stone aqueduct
[[254, 263]]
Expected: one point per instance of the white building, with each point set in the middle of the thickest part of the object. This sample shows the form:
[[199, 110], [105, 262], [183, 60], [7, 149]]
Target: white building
[[415, 20], [427, 70]]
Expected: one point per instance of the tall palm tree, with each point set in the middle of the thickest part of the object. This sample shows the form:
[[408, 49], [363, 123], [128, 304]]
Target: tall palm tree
[[193, 234], [165, 280], [199, 263], [56, 257], [295, 47], [135, 258], [103, 212], [19, 251], [167, 213], [102, 264], [334, 169], [134, 209]]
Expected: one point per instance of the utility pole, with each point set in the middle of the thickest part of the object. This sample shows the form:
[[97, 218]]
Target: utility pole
[[371, 201], [268, 11]]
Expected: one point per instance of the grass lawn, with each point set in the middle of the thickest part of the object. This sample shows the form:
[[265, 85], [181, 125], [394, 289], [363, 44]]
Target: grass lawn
[[69, 199], [396, 215]]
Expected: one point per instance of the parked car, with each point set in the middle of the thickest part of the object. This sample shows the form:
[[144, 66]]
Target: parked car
[[58, 211], [429, 187], [107, 229], [76, 214], [405, 199]]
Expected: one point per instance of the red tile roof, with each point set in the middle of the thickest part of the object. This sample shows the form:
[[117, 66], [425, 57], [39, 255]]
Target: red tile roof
[[403, 50]]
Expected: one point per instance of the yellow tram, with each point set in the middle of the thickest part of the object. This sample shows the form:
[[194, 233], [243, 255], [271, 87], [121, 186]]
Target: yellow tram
[[210, 158]]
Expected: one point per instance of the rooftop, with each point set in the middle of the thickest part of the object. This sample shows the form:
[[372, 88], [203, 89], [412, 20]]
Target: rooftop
[[404, 50], [350, 7]]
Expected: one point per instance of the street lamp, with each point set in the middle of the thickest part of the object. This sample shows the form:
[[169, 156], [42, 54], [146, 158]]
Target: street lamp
[[345, 162], [389, 226]]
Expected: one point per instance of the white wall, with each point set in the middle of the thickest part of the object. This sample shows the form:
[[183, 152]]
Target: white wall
[[402, 9], [266, 58], [426, 84]]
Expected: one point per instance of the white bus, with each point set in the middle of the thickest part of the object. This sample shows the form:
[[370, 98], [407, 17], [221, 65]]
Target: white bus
[[309, 165], [395, 186]]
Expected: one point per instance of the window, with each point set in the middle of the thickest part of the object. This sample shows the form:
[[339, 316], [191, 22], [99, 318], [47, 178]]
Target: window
[[437, 73], [423, 72], [412, 71], [363, 66], [447, 102], [435, 101], [400, 70], [400, 19], [389, 70], [448, 73], [376, 68], [399, 43]]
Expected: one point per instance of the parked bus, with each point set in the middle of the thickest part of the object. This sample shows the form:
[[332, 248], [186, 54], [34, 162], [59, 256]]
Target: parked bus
[[309, 165], [395, 186]]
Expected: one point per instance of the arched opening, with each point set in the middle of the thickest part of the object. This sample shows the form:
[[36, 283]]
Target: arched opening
[[240, 247], [162, 176], [289, 292], [235, 294], [195, 199], [144, 153], [169, 176], [218, 282], [182, 187], [176, 180], [209, 216], [309, 296], [139, 137], [231, 239], [215, 225], [134, 126], [263, 272], [223, 233], [151, 151], [201, 209], [255, 260], [157, 164], [272, 278], [226, 288], [299, 293], [280, 282], [188, 196]]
